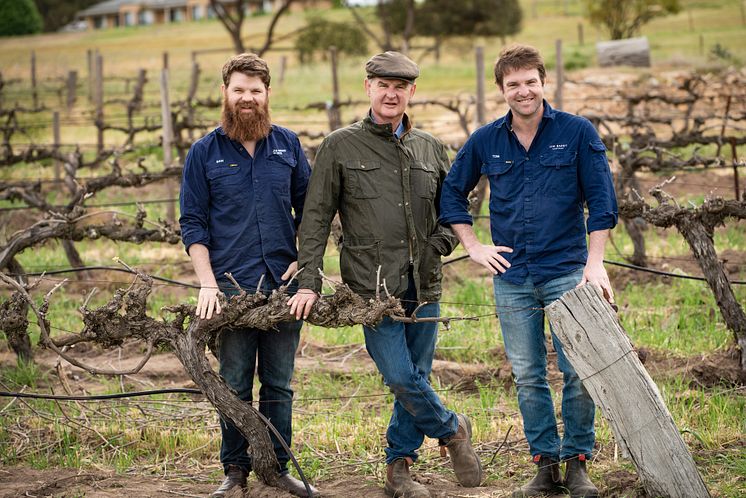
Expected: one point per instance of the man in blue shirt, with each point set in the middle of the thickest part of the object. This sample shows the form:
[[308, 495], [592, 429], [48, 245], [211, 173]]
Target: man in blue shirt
[[543, 166], [241, 203]]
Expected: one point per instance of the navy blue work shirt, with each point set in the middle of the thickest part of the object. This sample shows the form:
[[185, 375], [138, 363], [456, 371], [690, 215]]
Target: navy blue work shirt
[[244, 209], [536, 196]]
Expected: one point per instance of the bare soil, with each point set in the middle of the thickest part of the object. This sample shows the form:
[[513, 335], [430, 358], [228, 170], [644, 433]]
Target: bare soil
[[165, 371], [17, 482]]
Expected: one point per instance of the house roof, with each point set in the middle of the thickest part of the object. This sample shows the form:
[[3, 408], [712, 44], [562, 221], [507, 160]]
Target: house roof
[[112, 6], [103, 8]]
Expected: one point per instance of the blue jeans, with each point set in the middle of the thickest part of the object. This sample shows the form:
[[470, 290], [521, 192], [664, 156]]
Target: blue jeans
[[238, 351], [522, 324], [403, 353]]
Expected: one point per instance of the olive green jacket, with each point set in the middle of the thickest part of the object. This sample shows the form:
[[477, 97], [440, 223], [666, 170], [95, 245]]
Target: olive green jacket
[[387, 191]]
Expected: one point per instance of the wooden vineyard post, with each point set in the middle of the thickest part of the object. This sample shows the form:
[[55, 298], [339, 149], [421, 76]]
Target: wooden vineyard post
[[479, 59], [168, 137], [34, 89], [335, 118], [600, 351], [560, 75], [98, 101]]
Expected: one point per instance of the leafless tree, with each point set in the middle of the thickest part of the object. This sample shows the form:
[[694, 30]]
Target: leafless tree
[[232, 14]]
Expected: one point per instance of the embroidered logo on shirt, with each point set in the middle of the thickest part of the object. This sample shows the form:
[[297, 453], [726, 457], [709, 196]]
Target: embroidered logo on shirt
[[232, 165], [218, 161], [279, 152], [557, 146], [495, 156]]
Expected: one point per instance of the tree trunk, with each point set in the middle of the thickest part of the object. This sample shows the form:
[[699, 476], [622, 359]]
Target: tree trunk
[[13, 317], [189, 347], [700, 241]]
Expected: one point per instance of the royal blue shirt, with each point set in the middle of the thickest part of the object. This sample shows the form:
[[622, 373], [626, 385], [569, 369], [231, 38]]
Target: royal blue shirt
[[536, 196], [245, 209]]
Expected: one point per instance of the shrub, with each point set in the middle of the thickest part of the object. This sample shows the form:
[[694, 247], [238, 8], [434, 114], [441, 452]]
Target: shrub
[[19, 17], [320, 34]]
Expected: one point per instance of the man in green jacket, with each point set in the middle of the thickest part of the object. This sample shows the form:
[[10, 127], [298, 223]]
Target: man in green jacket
[[383, 177]]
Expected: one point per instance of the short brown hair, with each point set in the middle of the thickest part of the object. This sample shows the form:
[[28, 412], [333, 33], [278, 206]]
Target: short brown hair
[[248, 64], [519, 57]]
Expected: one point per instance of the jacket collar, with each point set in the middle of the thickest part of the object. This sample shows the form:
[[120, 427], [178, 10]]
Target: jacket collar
[[385, 130]]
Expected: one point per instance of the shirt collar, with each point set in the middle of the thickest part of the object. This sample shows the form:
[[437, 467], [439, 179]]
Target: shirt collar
[[549, 113]]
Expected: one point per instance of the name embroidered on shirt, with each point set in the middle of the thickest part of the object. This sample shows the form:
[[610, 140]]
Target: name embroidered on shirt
[[278, 152], [495, 156], [218, 161], [557, 146]]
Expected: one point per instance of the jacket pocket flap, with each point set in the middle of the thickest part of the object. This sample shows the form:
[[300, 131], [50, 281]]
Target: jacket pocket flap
[[496, 167], [288, 160], [357, 164], [423, 166], [222, 170], [559, 158]]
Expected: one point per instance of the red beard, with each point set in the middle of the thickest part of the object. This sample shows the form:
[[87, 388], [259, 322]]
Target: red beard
[[246, 127]]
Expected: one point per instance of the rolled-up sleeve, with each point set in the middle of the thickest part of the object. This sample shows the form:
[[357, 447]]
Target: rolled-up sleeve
[[194, 200], [461, 179], [596, 182]]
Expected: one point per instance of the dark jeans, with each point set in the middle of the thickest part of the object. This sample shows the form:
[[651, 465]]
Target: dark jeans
[[522, 324], [239, 350], [403, 353]]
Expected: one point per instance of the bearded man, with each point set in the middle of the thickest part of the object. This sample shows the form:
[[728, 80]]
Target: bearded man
[[241, 203]]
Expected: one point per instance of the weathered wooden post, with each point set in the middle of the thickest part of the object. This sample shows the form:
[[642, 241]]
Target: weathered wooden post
[[560, 75], [34, 91], [168, 133], [600, 351], [479, 56], [56, 142], [581, 38], [335, 119], [98, 101], [72, 85], [89, 56]]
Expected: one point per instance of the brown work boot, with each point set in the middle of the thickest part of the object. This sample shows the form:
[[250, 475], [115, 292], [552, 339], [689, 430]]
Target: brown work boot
[[466, 464], [399, 483], [576, 479], [235, 477], [547, 480], [295, 486]]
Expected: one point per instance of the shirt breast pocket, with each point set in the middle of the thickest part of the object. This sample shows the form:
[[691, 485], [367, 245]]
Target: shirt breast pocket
[[360, 179], [499, 173], [560, 172], [281, 172], [226, 183], [424, 180]]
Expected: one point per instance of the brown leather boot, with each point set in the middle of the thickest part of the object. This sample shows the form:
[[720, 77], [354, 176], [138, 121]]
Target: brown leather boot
[[399, 483], [576, 479], [466, 464], [235, 477], [547, 480], [295, 486]]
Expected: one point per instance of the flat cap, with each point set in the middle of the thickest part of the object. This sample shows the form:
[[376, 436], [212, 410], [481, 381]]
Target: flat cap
[[394, 65]]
